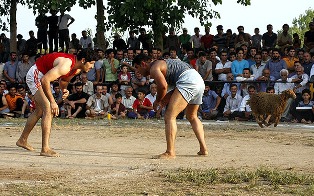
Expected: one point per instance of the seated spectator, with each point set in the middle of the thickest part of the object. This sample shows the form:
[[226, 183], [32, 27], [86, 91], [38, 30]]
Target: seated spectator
[[266, 80], [22, 69], [239, 64], [4, 109], [290, 59], [57, 95], [152, 97], [128, 99], [114, 90], [204, 67], [26, 109], [270, 89], [138, 82], [223, 67], [301, 80], [141, 107], [304, 115], [105, 92], [76, 103], [97, 105], [233, 103], [124, 78], [118, 110], [246, 76], [209, 107], [258, 67], [275, 64], [190, 59], [88, 86], [245, 109], [16, 103]]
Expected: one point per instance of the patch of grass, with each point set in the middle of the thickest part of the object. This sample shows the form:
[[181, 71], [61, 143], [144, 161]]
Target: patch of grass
[[287, 182]]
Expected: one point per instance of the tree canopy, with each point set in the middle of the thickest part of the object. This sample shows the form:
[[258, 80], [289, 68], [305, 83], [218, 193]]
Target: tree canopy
[[132, 14]]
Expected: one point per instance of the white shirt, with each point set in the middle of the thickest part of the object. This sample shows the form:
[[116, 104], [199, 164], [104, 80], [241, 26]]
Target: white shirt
[[196, 41], [223, 76], [84, 42], [280, 87], [63, 23], [128, 102], [233, 103], [244, 107]]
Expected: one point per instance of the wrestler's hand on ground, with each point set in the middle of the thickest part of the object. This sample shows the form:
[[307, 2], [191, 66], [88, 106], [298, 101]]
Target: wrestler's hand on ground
[[54, 108], [65, 93]]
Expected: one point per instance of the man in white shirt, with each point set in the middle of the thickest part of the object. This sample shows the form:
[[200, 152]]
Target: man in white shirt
[[128, 99], [223, 67], [245, 109], [86, 41], [196, 40], [233, 103], [64, 37]]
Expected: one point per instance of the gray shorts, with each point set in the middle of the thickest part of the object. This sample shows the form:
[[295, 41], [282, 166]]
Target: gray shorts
[[191, 86]]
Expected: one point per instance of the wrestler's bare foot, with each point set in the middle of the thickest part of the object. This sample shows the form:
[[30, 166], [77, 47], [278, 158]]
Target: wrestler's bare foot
[[49, 153], [165, 155], [24, 145], [203, 153]]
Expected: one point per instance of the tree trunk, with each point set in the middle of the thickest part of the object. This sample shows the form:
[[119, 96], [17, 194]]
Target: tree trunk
[[158, 30], [13, 47], [101, 42]]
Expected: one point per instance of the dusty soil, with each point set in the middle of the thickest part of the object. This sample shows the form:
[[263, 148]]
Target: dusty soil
[[102, 158]]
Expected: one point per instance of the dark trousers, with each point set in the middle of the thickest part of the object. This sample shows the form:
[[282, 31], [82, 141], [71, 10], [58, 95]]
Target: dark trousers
[[64, 38], [53, 41], [42, 37]]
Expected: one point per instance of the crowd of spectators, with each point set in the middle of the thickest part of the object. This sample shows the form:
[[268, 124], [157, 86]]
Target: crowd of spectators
[[232, 65]]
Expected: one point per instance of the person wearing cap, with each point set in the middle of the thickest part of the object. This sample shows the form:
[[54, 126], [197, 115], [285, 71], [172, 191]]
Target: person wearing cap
[[220, 39], [118, 43], [184, 38], [309, 38]]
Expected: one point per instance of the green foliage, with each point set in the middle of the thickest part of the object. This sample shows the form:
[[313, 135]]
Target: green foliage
[[301, 24]]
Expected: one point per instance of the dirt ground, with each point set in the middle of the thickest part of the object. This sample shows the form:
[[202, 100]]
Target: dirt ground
[[102, 158]]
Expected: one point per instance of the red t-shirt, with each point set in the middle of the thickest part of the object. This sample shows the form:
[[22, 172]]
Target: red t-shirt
[[45, 63], [207, 40], [145, 102]]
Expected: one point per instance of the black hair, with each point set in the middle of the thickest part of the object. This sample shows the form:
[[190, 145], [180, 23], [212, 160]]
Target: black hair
[[88, 54], [139, 58], [55, 84], [306, 91], [78, 84], [118, 95]]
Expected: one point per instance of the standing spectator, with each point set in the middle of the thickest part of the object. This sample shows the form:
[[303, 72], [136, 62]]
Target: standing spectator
[[145, 39], [31, 46], [172, 40], [118, 42], [22, 69], [53, 31], [239, 64], [223, 67], [184, 38], [129, 62], [257, 39], [269, 38], [41, 22], [246, 36], [20, 44], [86, 40], [296, 41], [9, 70], [110, 67], [284, 39], [230, 39], [207, 39], [191, 59], [74, 43], [220, 38], [204, 67], [195, 40], [64, 36], [132, 41], [275, 65], [124, 79], [5, 44], [309, 38]]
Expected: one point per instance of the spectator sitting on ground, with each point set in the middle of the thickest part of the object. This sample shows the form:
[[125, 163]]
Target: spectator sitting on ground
[[114, 90], [105, 92], [233, 103], [306, 115], [27, 98], [141, 107], [209, 107], [118, 110], [97, 105], [128, 99], [4, 109], [57, 95], [76, 103], [245, 109], [152, 97], [16, 103]]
